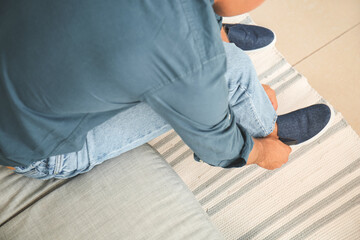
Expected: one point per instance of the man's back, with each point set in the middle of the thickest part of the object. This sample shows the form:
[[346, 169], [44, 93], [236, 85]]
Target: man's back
[[68, 66]]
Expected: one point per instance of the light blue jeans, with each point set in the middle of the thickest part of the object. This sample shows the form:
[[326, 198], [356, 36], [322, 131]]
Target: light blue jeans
[[140, 124]]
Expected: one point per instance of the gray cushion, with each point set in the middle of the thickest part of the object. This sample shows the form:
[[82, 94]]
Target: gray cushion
[[134, 196]]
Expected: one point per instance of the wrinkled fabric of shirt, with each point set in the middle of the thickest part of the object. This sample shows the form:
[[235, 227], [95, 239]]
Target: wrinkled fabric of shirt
[[68, 66]]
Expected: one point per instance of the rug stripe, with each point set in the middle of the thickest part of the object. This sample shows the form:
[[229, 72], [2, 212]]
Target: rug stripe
[[252, 184], [173, 149], [228, 184], [166, 139], [213, 179], [315, 208], [302, 199], [181, 157], [287, 84], [272, 69], [281, 77], [355, 201]]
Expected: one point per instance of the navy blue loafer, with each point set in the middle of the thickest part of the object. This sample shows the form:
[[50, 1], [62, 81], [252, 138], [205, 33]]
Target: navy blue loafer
[[303, 124], [249, 37]]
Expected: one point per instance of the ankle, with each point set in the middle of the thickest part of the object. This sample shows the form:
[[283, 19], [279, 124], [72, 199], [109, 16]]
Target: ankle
[[224, 36], [274, 133]]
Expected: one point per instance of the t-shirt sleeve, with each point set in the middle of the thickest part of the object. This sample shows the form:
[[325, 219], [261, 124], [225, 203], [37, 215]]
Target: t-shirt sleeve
[[196, 106]]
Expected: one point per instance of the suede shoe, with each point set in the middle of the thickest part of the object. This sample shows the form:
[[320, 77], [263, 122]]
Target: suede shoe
[[303, 124], [249, 37]]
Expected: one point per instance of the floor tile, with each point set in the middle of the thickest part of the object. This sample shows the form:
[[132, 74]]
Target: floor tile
[[303, 26], [334, 71]]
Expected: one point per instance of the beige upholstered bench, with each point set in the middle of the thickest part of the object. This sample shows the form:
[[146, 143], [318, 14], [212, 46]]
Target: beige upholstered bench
[[134, 196]]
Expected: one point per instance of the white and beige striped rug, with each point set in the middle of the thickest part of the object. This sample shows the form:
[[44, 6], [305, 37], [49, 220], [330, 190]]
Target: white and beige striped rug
[[316, 195]]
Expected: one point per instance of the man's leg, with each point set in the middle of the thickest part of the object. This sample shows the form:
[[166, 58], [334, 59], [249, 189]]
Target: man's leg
[[125, 131], [247, 98]]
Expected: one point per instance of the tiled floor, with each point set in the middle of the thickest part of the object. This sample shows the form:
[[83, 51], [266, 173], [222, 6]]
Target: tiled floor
[[322, 40]]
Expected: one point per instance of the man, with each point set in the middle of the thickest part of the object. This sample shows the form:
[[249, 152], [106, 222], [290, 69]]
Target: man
[[84, 81]]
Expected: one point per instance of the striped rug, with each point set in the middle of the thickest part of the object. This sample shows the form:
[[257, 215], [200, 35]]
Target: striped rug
[[316, 195]]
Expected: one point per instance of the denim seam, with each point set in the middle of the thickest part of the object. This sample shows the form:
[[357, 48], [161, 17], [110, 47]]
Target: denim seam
[[252, 106], [273, 125]]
